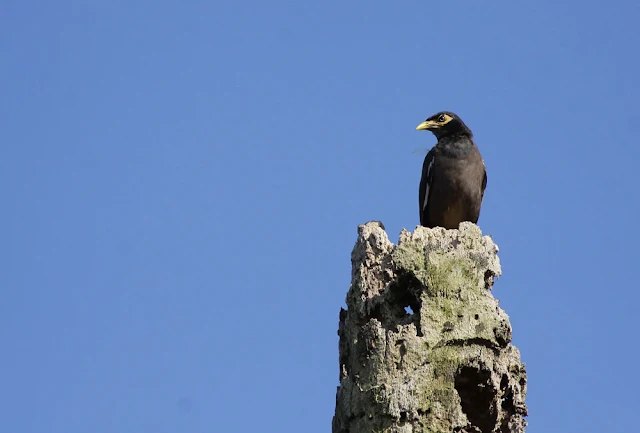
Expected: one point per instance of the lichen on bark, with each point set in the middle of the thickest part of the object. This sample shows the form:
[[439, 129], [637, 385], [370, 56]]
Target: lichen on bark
[[424, 346]]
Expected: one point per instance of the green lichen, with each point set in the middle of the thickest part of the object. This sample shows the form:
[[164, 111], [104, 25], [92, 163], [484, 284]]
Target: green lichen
[[448, 276], [443, 309], [410, 257]]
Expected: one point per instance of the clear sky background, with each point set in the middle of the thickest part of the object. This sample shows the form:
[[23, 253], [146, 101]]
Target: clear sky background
[[181, 186]]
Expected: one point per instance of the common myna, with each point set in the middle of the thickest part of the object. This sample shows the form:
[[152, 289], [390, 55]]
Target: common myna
[[453, 174]]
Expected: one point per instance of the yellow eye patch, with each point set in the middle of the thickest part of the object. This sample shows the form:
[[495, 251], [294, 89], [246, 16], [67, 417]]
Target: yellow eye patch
[[444, 121], [435, 122]]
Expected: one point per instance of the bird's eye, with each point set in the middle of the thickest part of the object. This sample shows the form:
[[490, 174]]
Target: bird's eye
[[441, 118]]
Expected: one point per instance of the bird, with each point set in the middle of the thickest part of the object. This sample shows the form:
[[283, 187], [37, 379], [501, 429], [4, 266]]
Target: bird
[[454, 176]]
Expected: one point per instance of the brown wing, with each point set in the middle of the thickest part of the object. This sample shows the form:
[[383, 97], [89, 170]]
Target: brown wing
[[425, 186]]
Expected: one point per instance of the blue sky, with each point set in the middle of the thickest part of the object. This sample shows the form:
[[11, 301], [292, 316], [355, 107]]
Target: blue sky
[[182, 184]]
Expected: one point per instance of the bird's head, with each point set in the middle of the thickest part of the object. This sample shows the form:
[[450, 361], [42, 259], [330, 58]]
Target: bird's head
[[443, 124]]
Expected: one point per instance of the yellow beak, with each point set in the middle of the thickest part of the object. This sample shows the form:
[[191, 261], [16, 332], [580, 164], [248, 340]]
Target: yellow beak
[[427, 124]]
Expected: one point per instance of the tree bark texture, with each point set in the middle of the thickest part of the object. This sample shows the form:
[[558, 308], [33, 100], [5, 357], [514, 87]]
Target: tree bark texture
[[424, 346]]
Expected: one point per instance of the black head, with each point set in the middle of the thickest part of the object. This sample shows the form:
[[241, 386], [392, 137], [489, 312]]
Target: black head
[[445, 123]]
